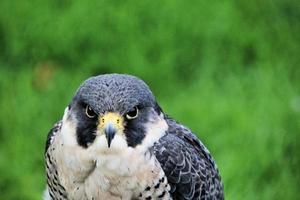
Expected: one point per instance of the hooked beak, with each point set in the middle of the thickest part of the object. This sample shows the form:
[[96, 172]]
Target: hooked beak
[[110, 132], [110, 124]]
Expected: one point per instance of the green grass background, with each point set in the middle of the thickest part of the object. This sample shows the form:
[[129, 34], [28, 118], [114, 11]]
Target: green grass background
[[229, 70]]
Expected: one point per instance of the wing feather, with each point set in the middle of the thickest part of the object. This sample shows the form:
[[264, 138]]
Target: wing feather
[[188, 165]]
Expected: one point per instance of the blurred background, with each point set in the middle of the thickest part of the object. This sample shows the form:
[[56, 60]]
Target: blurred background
[[229, 70]]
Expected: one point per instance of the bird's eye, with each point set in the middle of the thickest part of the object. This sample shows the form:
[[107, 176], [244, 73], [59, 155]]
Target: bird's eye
[[89, 112], [133, 113]]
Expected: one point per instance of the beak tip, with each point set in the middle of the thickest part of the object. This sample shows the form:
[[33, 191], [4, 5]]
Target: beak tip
[[110, 133], [108, 144]]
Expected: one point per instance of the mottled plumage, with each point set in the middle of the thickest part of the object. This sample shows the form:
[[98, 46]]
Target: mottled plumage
[[190, 169], [147, 156], [56, 190]]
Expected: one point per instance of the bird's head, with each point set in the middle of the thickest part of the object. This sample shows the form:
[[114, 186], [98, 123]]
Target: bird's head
[[115, 111]]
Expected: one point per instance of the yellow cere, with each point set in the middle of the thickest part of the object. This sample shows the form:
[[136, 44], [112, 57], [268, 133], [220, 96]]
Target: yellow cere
[[110, 117]]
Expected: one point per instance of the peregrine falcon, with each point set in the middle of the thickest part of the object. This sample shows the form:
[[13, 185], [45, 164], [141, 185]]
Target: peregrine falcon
[[115, 142]]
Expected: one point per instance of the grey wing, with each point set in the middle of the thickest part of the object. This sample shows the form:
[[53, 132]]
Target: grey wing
[[189, 167], [55, 189]]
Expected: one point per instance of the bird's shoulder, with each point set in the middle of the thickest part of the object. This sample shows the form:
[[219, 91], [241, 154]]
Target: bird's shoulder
[[191, 170], [52, 133], [54, 188]]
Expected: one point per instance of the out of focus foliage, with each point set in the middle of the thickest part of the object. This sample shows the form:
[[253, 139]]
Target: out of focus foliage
[[227, 69]]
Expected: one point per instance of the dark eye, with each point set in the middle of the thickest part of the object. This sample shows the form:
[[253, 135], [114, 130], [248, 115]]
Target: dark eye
[[89, 112], [133, 113]]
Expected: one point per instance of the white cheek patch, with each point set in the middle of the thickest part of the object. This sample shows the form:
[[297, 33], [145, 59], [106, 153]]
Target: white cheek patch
[[154, 131], [66, 113], [68, 130]]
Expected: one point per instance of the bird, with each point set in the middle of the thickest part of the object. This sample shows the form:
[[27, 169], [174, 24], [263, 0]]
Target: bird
[[114, 141]]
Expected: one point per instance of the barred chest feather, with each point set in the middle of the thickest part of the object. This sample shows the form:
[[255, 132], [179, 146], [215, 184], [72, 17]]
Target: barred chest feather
[[133, 175]]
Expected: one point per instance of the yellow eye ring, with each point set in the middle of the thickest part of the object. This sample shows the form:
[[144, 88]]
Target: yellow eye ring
[[133, 113]]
